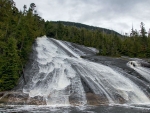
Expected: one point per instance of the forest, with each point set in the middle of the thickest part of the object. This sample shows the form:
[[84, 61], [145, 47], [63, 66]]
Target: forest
[[79, 25], [109, 43], [19, 29]]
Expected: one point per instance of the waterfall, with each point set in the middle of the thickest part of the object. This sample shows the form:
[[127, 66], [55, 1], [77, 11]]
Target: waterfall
[[144, 71], [58, 73]]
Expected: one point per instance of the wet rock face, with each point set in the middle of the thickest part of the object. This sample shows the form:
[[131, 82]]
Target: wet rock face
[[93, 99], [1, 94], [59, 75], [18, 98], [145, 65], [87, 88]]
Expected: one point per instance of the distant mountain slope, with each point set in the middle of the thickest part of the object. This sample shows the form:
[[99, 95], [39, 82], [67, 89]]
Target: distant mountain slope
[[79, 25]]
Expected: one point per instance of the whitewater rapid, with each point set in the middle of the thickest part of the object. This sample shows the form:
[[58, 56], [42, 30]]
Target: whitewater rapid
[[61, 72], [144, 71]]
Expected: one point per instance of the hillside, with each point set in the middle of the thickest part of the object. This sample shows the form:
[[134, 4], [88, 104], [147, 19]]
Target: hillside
[[80, 25], [19, 30]]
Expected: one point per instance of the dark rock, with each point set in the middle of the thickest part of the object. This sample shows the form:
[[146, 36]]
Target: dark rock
[[19, 98], [93, 99]]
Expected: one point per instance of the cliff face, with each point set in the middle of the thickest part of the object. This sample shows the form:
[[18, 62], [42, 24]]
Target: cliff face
[[57, 75]]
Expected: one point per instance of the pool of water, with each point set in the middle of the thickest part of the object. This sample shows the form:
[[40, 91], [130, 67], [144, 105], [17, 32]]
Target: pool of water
[[77, 109]]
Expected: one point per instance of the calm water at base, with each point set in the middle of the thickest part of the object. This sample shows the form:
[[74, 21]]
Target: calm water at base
[[79, 109]]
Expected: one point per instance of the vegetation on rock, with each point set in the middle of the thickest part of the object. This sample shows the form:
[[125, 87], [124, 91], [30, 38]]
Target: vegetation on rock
[[19, 29]]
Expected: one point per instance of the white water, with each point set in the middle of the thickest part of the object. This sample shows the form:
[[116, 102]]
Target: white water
[[59, 77], [145, 72]]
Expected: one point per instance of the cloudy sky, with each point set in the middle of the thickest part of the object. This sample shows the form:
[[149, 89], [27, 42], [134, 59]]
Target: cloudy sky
[[118, 15]]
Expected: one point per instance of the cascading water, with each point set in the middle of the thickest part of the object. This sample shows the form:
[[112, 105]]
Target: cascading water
[[144, 71], [61, 73], [56, 80]]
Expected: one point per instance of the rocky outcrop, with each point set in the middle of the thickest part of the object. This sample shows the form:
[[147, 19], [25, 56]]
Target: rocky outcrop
[[19, 98]]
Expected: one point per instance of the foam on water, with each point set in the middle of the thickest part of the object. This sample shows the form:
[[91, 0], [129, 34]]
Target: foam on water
[[56, 77], [111, 83], [59, 77], [145, 72]]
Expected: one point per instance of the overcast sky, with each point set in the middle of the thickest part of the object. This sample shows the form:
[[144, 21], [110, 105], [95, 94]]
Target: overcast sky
[[117, 15]]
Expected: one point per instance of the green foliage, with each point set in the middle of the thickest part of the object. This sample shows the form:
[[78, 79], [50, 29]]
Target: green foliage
[[79, 25], [108, 43], [11, 65], [18, 31]]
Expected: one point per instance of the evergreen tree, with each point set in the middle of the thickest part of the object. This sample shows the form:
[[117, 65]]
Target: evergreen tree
[[11, 66], [18, 31]]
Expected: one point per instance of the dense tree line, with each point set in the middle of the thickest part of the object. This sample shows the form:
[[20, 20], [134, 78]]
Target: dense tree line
[[79, 25], [111, 44], [18, 31]]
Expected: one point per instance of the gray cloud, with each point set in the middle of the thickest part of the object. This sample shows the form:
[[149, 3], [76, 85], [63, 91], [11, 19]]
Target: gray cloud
[[112, 14]]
